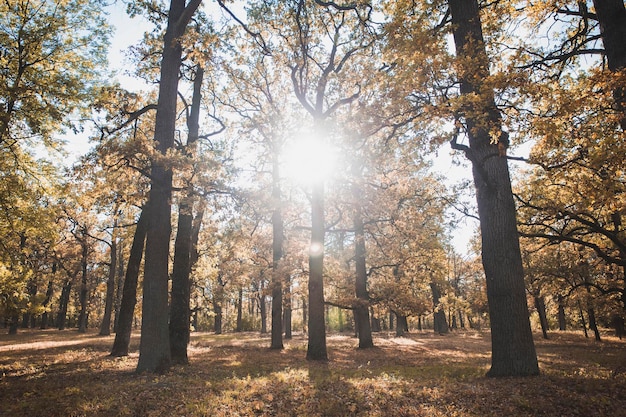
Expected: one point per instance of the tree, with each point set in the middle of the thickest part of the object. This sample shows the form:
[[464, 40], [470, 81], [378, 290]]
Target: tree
[[48, 67], [513, 350], [154, 350]]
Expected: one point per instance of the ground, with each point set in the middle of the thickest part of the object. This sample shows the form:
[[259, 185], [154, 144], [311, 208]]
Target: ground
[[52, 373]]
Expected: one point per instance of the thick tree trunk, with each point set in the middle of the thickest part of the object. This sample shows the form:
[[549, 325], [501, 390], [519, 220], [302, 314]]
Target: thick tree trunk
[[513, 349], [316, 349], [612, 18], [440, 324], [154, 348], [277, 253], [129, 292], [180, 314], [105, 326], [402, 325]]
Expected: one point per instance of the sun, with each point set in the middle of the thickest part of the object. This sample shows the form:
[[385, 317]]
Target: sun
[[309, 160]]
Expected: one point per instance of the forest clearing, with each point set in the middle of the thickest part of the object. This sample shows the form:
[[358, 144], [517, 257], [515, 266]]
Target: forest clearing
[[52, 373]]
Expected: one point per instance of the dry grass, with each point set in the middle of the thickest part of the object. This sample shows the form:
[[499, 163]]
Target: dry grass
[[51, 373]]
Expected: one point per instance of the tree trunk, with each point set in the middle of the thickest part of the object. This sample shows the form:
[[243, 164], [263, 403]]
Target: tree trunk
[[46, 302], [277, 252], [316, 349], [180, 314], [440, 324], [154, 348], [561, 314], [361, 309], [402, 325], [304, 315], [540, 305], [105, 326], [84, 291], [63, 304], [375, 321], [118, 289], [287, 312], [513, 349], [263, 312], [239, 324], [591, 314], [217, 325], [129, 292], [612, 18], [582, 319]]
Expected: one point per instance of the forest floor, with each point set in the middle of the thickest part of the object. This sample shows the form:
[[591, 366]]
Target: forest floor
[[52, 373]]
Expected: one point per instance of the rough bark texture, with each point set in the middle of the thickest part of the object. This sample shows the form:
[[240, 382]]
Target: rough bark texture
[[513, 349], [316, 349], [154, 348], [129, 291], [180, 313]]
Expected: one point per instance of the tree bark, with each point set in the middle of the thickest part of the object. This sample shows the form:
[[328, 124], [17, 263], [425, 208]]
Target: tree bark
[[154, 348], [513, 349], [129, 291], [316, 349], [180, 314]]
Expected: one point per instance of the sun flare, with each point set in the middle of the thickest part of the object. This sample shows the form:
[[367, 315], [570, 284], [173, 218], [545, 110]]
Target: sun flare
[[309, 160]]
